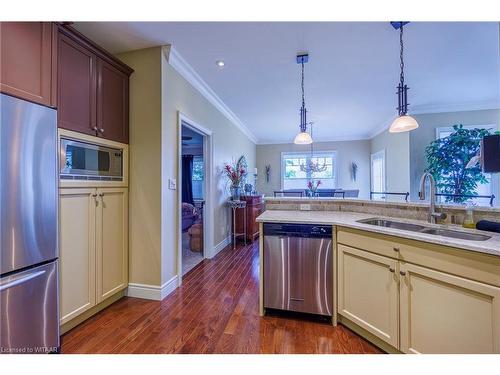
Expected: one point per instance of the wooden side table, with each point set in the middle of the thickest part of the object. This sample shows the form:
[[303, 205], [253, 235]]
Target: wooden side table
[[247, 218]]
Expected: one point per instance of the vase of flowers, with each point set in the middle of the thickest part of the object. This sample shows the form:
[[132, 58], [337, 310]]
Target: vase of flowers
[[312, 186], [236, 174], [235, 193]]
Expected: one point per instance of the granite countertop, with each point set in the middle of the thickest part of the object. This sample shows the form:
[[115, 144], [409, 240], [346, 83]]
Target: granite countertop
[[349, 219]]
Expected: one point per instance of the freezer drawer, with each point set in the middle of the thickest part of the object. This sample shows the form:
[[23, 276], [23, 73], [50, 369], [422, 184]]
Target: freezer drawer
[[29, 311], [298, 274]]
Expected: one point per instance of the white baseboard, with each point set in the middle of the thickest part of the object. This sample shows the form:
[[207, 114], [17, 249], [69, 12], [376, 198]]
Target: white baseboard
[[221, 245], [154, 292], [169, 286]]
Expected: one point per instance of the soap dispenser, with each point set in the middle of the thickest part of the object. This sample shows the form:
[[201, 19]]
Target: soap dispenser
[[469, 217]]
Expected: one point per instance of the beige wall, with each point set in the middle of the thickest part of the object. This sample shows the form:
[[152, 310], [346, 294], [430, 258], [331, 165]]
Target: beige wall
[[229, 143], [397, 161], [347, 152], [145, 166], [157, 93], [426, 133]]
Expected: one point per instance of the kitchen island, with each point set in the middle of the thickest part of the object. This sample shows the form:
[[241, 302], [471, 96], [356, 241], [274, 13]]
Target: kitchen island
[[408, 291]]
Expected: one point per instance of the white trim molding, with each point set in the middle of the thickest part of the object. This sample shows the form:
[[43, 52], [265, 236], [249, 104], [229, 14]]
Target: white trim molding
[[429, 109], [189, 74], [359, 137], [153, 292], [209, 211], [455, 107], [221, 246]]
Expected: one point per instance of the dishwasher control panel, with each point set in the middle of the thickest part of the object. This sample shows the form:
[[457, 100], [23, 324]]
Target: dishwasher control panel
[[298, 230]]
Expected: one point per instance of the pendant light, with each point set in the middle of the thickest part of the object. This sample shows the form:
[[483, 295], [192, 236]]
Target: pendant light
[[303, 138], [403, 122], [312, 167]]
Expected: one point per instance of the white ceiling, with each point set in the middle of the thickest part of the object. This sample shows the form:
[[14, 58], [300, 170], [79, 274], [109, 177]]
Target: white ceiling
[[350, 78]]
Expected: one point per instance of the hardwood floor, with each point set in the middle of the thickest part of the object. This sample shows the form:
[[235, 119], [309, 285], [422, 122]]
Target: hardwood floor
[[216, 310]]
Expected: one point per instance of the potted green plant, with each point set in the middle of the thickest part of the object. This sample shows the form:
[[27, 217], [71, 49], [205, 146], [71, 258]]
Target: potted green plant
[[447, 160]]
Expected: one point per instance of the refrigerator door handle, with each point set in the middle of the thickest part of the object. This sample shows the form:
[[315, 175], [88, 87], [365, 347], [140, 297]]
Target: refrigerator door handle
[[21, 280]]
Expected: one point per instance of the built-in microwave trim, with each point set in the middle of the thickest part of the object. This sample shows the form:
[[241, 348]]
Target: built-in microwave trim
[[75, 180], [115, 171]]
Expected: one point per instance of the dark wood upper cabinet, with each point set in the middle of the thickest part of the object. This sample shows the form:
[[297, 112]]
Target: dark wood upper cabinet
[[93, 88], [112, 102], [28, 61], [76, 87]]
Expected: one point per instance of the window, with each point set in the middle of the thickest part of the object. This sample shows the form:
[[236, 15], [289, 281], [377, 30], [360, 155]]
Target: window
[[198, 168], [198, 177], [481, 189], [294, 178], [378, 174]]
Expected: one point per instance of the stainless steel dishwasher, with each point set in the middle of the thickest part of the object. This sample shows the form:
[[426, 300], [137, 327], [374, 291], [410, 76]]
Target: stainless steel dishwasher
[[298, 268]]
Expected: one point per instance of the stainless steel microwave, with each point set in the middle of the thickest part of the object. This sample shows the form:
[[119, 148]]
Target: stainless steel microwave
[[87, 161]]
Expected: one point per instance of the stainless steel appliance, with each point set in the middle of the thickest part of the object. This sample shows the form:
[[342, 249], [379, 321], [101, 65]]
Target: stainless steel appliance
[[29, 321], [87, 161], [298, 268]]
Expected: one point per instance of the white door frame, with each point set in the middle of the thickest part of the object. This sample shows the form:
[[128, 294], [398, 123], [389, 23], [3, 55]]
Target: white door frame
[[208, 210]]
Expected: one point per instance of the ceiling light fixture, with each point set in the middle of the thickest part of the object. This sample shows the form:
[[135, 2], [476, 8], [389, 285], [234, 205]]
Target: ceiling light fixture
[[403, 122], [303, 138], [220, 63], [312, 166]]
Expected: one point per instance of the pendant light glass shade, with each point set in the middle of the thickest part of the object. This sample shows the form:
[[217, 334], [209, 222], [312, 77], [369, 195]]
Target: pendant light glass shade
[[403, 123], [303, 138]]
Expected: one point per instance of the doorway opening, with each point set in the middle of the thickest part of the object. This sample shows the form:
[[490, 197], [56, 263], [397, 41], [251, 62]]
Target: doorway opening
[[194, 195]]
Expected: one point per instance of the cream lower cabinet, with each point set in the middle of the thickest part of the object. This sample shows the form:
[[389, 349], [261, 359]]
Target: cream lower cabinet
[[77, 244], [112, 242], [443, 313], [431, 307], [368, 292], [93, 247]]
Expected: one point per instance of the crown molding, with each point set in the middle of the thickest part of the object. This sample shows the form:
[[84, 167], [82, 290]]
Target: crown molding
[[318, 140], [383, 126], [189, 74], [435, 109], [457, 107]]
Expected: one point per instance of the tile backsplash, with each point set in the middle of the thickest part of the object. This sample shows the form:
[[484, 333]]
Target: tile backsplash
[[416, 211]]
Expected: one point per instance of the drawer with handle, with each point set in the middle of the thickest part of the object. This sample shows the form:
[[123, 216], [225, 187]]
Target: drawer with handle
[[372, 242]]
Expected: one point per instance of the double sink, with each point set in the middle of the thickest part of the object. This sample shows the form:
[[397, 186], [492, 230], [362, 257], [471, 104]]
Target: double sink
[[425, 229]]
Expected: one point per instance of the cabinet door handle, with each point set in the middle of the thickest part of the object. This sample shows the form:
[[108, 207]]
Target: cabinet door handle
[[95, 128], [101, 130], [396, 249], [101, 195], [392, 270], [402, 273]]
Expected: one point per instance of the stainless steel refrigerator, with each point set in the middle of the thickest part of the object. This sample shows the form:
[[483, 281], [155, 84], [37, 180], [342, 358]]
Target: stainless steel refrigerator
[[29, 320]]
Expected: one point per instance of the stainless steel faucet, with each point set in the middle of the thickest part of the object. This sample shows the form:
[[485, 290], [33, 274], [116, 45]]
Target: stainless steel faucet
[[433, 215]]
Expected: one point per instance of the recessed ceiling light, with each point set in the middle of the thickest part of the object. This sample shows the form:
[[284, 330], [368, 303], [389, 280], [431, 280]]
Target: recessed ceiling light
[[220, 63]]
